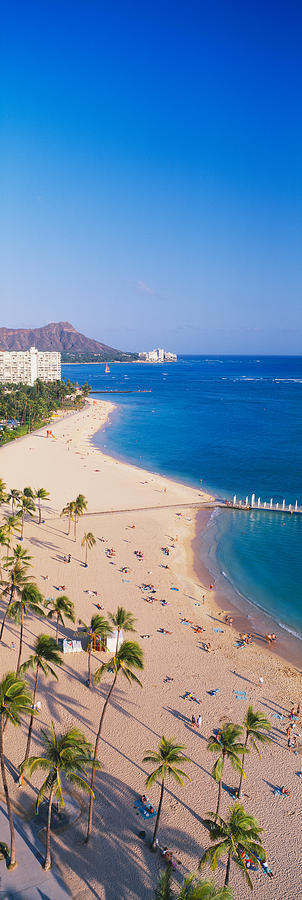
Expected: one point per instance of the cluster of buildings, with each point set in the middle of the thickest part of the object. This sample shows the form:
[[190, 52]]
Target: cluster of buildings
[[158, 356], [25, 366]]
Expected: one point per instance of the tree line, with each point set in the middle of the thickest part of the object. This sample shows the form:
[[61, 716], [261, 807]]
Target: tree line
[[25, 407]]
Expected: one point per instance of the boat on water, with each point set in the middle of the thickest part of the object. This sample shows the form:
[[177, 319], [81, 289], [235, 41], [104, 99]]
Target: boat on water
[[107, 369]]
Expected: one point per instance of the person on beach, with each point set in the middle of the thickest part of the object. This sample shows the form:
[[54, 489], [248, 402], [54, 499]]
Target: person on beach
[[193, 721], [198, 721]]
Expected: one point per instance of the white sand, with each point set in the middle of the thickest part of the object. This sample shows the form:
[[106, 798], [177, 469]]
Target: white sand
[[117, 864]]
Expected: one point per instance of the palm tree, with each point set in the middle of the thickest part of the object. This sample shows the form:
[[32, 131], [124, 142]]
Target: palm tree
[[69, 755], [79, 506], [14, 496], [41, 494], [19, 554], [98, 627], [190, 889], [26, 505], [17, 580], [68, 511], [60, 608], [12, 527], [30, 600], [256, 727], [3, 494], [237, 836], [167, 757], [3, 543], [122, 621], [129, 657], [227, 745], [45, 656], [15, 699], [88, 541]]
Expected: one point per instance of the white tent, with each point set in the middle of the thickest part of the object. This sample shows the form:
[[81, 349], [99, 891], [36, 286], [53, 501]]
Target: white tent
[[112, 639], [70, 646]]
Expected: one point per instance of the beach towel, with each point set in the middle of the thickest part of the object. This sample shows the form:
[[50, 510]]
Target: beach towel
[[218, 630], [215, 691], [144, 810], [279, 717]]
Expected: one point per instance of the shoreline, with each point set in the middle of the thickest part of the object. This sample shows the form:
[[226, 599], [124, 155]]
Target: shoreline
[[248, 616]]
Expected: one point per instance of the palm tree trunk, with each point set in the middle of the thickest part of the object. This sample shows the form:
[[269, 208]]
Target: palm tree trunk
[[22, 529], [6, 611], [75, 528], [30, 727], [39, 502], [86, 553], [47, 861], [153, 844], [241, 773], [57, 628], [227, 874], [89, 663], [219, 797], [12, 861], [20, 642], [96, 747]]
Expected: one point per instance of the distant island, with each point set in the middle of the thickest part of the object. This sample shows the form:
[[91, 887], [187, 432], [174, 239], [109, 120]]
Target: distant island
[[62, 337]]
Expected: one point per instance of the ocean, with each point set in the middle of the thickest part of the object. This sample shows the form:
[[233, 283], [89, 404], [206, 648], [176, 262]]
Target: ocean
[[234, 423]]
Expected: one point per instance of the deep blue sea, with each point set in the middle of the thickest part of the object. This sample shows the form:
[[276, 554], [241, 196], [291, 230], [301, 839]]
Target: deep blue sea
[[235, 423]]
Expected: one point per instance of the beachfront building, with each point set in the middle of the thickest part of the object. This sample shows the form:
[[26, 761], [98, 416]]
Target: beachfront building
[[158, 356], [25, 366]]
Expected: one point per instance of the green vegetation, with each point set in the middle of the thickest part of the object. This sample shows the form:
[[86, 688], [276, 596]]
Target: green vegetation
[[88, 541], [226, 745], [256, 732], [129, 657], [122, 621], [15, 700], [68, 755], [24, 407], [190, 889], [60, 608], [98, 627], [237, 837], [46, 655], [107, 355], [167, 759]]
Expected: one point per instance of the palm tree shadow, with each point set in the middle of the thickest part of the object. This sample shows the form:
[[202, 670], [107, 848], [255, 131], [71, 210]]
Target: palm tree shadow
[[126, 867]]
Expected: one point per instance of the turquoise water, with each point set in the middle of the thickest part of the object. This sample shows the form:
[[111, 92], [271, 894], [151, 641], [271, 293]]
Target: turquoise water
[[235, 423]]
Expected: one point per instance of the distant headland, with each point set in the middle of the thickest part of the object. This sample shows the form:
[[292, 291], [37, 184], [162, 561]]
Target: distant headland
[[62, 337]]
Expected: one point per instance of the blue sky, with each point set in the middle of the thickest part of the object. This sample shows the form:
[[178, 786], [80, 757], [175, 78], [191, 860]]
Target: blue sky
[[151, 172]]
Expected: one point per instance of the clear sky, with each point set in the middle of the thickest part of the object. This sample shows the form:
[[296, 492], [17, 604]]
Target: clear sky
[[151, 171]]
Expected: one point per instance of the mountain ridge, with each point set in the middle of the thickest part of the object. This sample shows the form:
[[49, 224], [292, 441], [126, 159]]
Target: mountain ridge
[[63, 337]]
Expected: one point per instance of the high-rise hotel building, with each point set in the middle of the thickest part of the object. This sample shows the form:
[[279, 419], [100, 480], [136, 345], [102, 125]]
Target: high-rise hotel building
[[26, 366]]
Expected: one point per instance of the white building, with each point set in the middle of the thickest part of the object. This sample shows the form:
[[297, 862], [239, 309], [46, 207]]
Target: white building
[[26, 366], [158, 356]]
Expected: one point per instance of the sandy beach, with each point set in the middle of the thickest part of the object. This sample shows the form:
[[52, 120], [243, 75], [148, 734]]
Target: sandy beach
[[117, 863]]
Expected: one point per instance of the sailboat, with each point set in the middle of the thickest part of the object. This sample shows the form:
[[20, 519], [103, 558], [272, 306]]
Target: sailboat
[[107, 369]]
